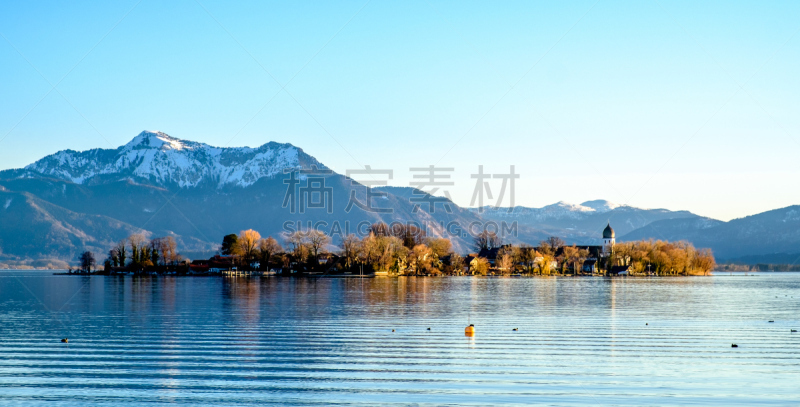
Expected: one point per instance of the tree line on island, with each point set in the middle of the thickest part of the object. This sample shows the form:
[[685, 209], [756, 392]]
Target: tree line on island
[[663, 258], [400, 249], [136, 253]]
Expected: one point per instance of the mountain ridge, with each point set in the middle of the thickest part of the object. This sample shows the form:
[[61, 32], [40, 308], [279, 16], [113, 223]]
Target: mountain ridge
[[162, 185], [165, 160]]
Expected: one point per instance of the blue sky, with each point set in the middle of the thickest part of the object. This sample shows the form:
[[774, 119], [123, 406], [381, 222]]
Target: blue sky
[[655, 104]]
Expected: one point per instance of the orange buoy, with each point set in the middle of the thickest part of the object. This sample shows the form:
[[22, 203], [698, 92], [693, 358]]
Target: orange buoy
[[470, 330]]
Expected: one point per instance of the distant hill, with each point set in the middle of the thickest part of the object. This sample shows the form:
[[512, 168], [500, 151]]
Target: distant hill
[[38, 229], [767, 237], [159, 185], [580, 224], [673, 229]]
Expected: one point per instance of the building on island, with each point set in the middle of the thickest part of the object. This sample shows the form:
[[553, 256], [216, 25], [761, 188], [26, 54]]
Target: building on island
[[596, 261], [608, 240]]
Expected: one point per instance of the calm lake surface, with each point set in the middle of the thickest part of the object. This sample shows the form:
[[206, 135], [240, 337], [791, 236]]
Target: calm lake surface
[[283, 341]]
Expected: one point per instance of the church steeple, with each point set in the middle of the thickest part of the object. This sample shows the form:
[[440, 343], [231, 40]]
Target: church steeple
[[608, 240], [608, 232]]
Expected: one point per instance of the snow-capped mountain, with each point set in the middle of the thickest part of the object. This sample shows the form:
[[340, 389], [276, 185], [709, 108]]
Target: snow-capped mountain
[[582, 223], [163, 186], [164, 160], [601, 205], [557, 211]]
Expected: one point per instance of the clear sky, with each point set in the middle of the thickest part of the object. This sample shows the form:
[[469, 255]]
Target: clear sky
[[656, 104]]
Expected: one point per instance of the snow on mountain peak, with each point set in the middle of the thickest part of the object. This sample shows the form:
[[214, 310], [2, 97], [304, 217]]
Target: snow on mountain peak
[[156, 139], [164, 160], [601, 205], [570, 207], [558, 211]]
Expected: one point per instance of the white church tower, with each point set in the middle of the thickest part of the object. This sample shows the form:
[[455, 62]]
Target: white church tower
[[608, 240]]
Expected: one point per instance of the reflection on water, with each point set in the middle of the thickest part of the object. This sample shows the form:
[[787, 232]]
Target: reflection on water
[[211, 341]]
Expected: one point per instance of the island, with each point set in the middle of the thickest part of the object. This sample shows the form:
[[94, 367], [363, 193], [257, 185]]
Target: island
[[401, 250]]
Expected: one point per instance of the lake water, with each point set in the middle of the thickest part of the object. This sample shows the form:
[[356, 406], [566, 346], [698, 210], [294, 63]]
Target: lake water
[[283, 341]]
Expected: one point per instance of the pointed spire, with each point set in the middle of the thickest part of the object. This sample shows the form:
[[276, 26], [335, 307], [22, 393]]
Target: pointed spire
[[608, 232]]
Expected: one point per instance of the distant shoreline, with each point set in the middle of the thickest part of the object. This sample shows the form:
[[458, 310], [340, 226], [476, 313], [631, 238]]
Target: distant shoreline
[[723, 268], [340, 276]]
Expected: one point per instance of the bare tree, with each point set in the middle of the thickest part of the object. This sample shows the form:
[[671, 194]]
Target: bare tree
[[113, 257], [479, 266], [317, 240], [580, 258], [380, 229], [267, 248], [527, 255], [370, 249], [247, 243], [87, 261], [486, 240], [704, 262], [350, 247], [421, 258], [544, 263], [505, 262], [298, 244], [439, 246], [568, 256], [457, 263], [410, 235], [555, 242], [145, 255], [546, 249], [169, 250], [393, 254]]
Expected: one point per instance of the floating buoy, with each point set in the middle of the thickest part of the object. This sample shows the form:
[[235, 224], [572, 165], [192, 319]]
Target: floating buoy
[[734, 345], [470, 330], [646, 323], [65, 340]]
